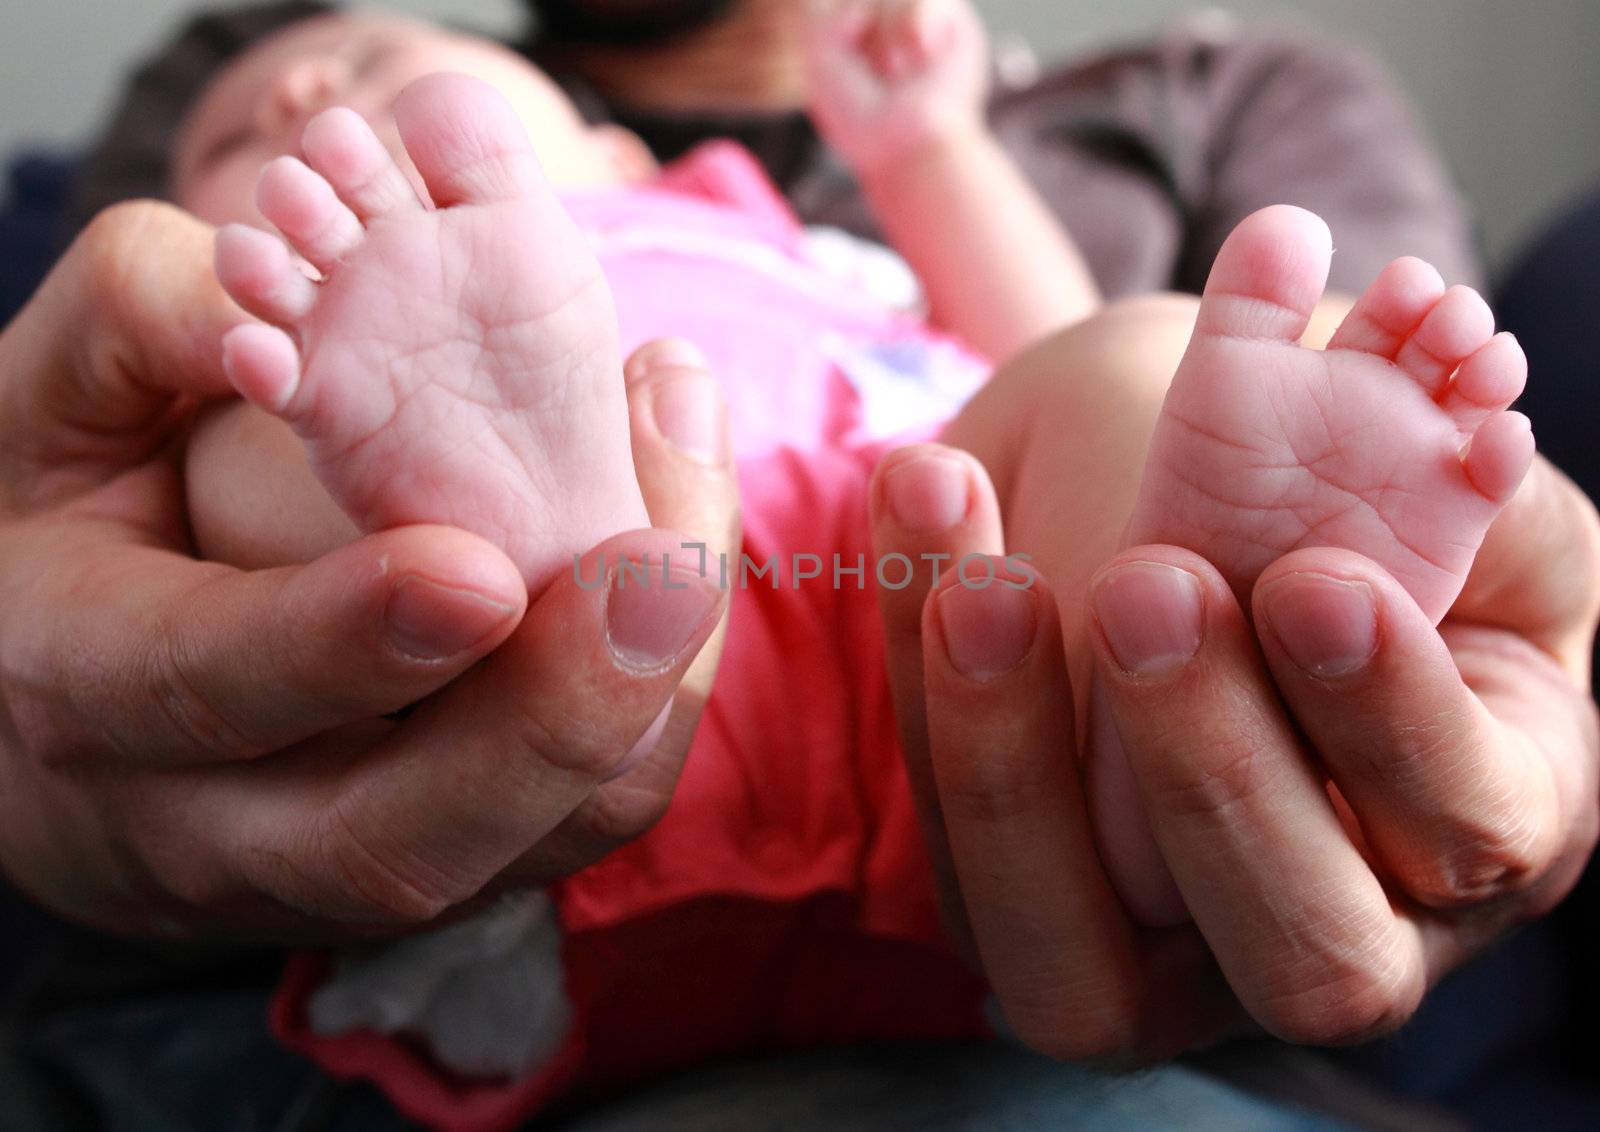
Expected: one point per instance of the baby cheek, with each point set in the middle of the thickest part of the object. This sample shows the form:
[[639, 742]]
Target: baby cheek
[[225, 193]]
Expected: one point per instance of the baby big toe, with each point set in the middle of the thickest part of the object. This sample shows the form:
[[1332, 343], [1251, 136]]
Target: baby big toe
[[1268, 277], [466, 141], [1458, 325], [339, 144], [256, 271], [303, 206]]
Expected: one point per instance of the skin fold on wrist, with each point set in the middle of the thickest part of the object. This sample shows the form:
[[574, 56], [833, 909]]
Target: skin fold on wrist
[[949, 144]]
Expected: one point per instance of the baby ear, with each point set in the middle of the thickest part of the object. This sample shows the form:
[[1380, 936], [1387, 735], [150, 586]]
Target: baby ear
[[627, 154]]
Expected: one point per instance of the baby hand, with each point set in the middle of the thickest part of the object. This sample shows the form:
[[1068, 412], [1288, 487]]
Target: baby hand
[[890, 76]]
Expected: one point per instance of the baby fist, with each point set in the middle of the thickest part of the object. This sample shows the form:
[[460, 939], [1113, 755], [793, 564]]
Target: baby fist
[[889, 76]]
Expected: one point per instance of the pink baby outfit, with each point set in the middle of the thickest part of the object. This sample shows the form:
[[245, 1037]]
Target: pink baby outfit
[[807, 359], [785, 899]]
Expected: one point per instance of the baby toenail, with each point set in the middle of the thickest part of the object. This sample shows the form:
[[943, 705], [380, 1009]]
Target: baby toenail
[[1152, 616], [929, 494], [1327, 626], [689, 414]]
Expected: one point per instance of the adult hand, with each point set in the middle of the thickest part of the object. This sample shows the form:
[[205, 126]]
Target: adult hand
[[189, 749], [1351, 802]]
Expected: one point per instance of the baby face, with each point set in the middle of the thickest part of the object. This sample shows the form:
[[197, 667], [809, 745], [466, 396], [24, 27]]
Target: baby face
[[257, 107]]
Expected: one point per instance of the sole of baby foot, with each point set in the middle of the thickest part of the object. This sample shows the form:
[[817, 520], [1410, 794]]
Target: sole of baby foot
[[454, 360]]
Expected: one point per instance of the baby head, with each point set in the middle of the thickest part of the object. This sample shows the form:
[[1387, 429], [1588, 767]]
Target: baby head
[[256, 107]]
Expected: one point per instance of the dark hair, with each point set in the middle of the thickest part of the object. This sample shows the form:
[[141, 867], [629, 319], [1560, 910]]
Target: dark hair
[[587, 23], [131, 157]]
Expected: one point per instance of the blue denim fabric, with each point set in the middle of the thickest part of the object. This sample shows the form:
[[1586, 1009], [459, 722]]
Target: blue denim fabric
[[33, 207], [179, 1062], [944, 1087], [196, 1063]]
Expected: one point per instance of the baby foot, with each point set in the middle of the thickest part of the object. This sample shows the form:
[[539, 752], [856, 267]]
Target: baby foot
[[457, 364], [1393, 442]]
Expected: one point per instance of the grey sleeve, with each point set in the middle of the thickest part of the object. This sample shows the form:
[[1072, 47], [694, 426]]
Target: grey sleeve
[[1292, 118]]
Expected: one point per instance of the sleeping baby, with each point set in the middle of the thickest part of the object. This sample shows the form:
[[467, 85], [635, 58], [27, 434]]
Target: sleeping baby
[[460, 261]]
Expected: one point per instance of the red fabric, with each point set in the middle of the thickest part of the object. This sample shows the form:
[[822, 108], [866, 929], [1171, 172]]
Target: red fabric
[[784, 900]]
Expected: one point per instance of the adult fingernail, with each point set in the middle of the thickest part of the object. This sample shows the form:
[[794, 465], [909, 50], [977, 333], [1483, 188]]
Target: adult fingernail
[[431, 621], [666, 352], [651, 619], [1152, 615], [689, 414], [929, 494], [1327, 626], [987, 632]]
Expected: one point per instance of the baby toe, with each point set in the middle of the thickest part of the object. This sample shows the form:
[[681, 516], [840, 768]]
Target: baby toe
[[1456, 327], [303, 206], [1487, 382], [339, 144], [263, 364], [466, 141], [1268, 277], [256, 271], [1499, 455], [1389, 311]]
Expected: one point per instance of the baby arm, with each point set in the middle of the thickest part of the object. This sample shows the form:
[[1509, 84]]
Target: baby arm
[[899, 89]]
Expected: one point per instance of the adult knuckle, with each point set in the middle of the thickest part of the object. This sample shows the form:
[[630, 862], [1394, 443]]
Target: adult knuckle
[[162, 854], [1498, 839], [1355, 996], [56, 698], [108, 233], [990, 787], [1407, 755], [117, 241], [1210, 775], [289, 871], [1365, 1012], [39, 712], [584, 747], [1486, 859], [176, 691], [384, 884], [620, 813]]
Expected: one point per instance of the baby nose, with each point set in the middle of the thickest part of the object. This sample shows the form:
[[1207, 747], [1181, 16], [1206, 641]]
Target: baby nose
[[300, 91]]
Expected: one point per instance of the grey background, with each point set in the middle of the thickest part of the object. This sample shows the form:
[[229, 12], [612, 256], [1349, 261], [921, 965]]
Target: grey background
[[1511, 90]]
